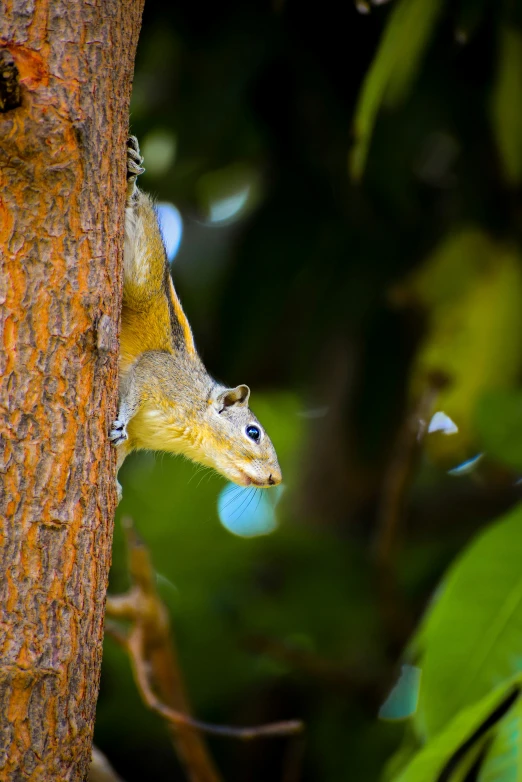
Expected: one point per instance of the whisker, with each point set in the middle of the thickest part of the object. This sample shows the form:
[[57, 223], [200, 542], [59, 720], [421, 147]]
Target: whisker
[[260, 492], [250, 501], [198, 469], [235, 494], [231, 501], [233, 491], [249, 494], [237, 512], [206, 472]]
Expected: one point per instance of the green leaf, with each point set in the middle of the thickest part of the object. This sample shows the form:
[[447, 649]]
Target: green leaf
[[499, 426], [393, 69], [503, 762], [471, 290], [432, 758], [506, 107], [473, 758], [402, 756], [471, 639]]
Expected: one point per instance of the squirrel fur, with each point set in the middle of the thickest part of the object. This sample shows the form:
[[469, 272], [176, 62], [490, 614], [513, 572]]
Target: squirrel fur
[[168, 401]]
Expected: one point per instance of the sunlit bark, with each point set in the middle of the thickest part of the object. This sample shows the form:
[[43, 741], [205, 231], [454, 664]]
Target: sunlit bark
[[62, 173]]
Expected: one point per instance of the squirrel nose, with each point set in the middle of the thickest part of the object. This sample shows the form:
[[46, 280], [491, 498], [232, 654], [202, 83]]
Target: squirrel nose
[[274, 478]]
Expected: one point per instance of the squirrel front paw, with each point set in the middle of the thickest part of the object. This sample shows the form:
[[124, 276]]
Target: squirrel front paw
[[134, 159], [118, 433]]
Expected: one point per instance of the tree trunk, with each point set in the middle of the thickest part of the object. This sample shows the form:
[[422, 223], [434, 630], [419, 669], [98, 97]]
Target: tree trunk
[[68, 63]]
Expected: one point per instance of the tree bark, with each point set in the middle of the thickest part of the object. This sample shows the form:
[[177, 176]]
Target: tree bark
[[68, 63]]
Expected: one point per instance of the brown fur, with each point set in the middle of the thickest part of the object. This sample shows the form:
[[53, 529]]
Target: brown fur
[[168, 401]]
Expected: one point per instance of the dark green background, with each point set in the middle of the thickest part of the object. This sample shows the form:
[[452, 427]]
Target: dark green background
[[293, 299]]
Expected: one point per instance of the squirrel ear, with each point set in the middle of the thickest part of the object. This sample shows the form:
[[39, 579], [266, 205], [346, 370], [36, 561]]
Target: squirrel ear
[[233, 396]]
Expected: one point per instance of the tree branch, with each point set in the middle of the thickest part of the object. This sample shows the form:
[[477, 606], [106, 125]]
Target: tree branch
[[155, 666]]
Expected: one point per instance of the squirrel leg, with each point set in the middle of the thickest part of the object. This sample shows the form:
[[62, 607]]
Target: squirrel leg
[[134, 166], [130, 400], [135, 388]]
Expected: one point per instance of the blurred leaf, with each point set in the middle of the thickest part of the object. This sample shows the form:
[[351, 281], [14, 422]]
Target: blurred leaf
[[471, 639], [464, 767], [499, 425], [394, 68], [402, 756], [503, 762], [506, 108], [410, 747], [430, 761], [446, 274], [471, 290]]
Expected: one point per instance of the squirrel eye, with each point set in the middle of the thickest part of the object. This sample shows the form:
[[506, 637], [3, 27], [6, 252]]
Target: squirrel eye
[[253, 432]]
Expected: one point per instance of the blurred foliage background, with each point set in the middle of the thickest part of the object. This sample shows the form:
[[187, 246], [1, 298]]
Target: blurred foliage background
[[341, 198]]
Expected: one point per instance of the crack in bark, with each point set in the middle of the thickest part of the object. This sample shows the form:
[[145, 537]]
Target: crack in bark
[[10, 96]]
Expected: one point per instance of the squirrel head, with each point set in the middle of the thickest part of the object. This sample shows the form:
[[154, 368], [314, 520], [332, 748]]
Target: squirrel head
[[234, 442], [185, 411]]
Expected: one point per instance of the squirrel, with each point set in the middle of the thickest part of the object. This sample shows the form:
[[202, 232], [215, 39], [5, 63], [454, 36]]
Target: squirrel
[[167, 399]]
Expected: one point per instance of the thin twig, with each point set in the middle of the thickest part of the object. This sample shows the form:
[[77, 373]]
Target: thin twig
[[154, 661], [288, 728], [150, 632]]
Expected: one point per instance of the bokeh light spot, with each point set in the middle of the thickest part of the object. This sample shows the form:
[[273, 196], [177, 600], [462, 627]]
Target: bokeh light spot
[[228, 207], [226, 194], [441, 422], [171, 226], [464, 468], [159, 151], [402, 701], [248, 512]]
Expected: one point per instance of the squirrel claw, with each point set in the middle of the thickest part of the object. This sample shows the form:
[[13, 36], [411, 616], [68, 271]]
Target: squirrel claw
[[134, 158], [118, 433]]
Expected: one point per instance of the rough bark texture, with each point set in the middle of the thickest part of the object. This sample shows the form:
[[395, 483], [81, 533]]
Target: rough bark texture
[[62, 172]]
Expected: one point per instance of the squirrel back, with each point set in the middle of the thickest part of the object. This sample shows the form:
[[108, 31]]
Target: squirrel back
[[168, 401], [149, 296]]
